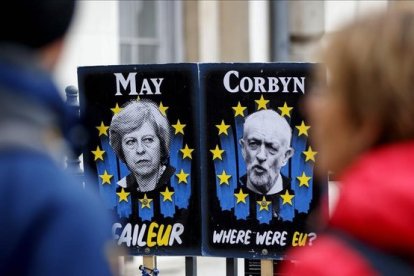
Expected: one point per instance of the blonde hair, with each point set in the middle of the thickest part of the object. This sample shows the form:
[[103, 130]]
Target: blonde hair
[[370, 66]]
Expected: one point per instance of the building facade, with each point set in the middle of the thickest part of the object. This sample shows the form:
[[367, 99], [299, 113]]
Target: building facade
[[133, 32]]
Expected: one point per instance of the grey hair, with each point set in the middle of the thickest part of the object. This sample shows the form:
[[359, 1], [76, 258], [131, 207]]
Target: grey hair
[[132, 116], [269, 114]]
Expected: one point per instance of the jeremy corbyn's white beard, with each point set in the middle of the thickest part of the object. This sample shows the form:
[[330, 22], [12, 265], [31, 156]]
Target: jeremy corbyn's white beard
[[262, 182]]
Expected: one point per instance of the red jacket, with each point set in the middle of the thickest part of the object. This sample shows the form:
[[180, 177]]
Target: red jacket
[[375, 205]]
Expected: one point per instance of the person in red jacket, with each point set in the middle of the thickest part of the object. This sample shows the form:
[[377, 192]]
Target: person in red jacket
[[363, 128]]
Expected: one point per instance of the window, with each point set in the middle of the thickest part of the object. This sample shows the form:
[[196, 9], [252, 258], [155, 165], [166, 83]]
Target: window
[[150, 31]]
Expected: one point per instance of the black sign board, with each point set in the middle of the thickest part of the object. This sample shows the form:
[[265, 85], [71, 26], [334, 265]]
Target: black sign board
[[202, 159], [259, 186], [141, 153]]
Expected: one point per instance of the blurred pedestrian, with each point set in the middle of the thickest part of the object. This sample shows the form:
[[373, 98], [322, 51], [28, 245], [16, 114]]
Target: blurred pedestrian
[[363, 127], [49, 224]]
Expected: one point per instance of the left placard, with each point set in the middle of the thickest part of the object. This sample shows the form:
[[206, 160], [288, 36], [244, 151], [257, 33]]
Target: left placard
[[142, 153]]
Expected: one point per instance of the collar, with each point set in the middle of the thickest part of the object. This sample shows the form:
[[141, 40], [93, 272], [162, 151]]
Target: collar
[[129, 180]]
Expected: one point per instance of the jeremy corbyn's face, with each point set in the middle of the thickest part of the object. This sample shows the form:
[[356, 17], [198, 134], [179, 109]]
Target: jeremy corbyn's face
[[265, 149]]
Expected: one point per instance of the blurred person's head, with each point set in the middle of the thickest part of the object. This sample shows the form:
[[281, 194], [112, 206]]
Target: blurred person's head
[[140, 136], [38, 25], [369, 93], [265, 147]]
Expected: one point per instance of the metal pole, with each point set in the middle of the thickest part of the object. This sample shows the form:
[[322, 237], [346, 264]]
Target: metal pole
[[279, 18], [231, 267], [190, 266], [73, 162]]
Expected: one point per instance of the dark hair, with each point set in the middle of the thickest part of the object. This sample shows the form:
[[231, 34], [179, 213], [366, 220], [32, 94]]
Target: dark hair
[[132, 116], [35, 23]]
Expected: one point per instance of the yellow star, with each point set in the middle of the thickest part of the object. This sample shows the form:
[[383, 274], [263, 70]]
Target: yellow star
[[241, 197], [224, 178], [261, 103], [239, 110], [285, 110], [222, 128], [138, 98], [287, 198], [145, 202], [103, 129], [163, 109], [106, 177], [179, 128], [123, 196], [217, 153], [187, 152], [310, 154], [264, 205], [98, 154], [303, 180], [182, 176], [167, 195], [116, 109], [303, 129]]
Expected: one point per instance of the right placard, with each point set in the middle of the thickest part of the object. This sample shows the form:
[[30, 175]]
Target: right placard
[[259, 189]]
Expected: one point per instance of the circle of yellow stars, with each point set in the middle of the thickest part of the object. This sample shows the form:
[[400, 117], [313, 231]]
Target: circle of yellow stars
[[262, 103], [302, 129], [98, 154]]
